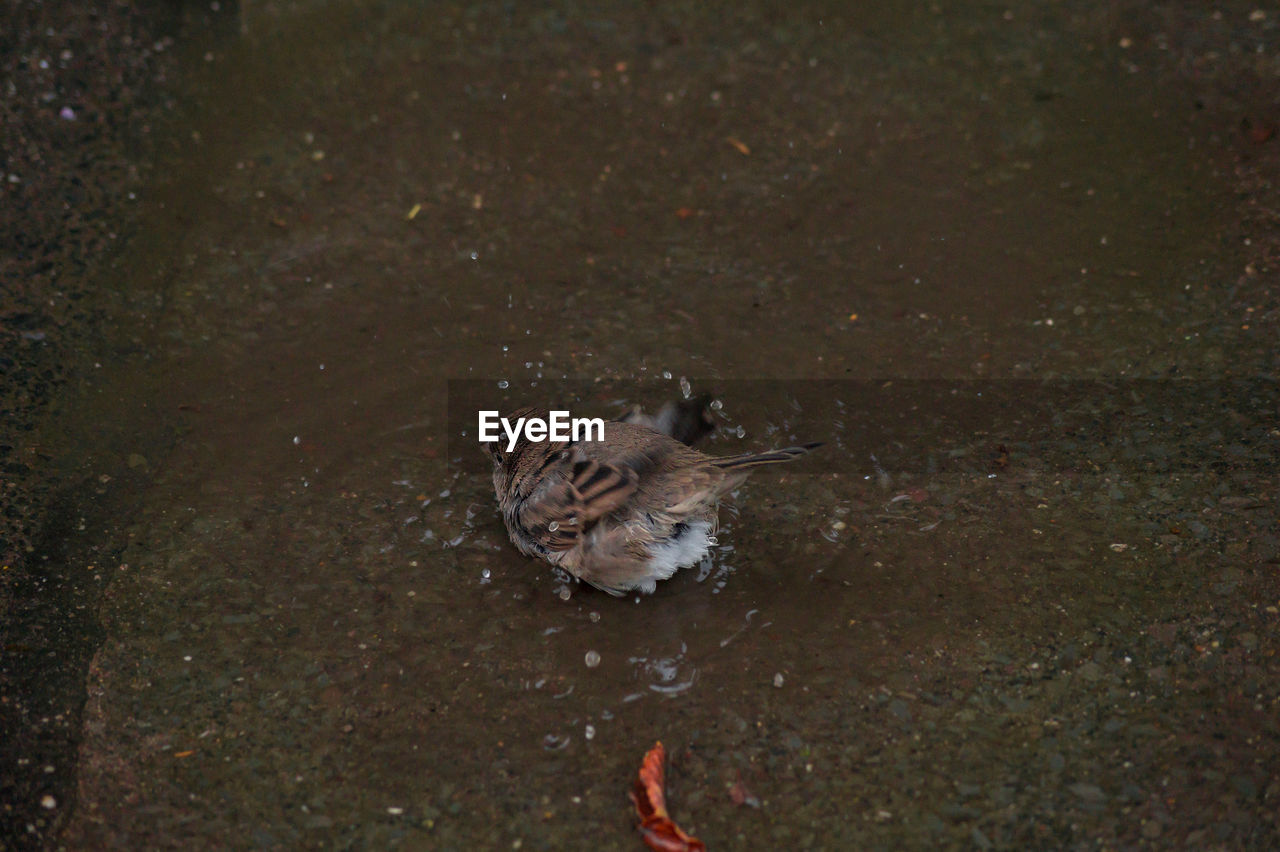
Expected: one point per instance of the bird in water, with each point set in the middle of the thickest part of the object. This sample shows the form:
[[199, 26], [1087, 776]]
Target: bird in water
[[627, 511]]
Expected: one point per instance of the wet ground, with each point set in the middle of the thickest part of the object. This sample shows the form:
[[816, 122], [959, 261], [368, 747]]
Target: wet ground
[[1014, 267]]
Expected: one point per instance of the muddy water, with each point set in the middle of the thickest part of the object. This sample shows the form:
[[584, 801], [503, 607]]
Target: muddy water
[[319, 636]]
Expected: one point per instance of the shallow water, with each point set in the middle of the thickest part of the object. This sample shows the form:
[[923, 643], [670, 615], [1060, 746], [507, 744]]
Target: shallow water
[[319, 635]]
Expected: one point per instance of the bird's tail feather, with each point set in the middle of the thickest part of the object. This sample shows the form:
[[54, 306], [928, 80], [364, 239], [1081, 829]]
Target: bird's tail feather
[[746, 460]]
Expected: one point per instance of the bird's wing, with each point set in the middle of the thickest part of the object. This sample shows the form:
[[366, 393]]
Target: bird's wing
[[557, 516]]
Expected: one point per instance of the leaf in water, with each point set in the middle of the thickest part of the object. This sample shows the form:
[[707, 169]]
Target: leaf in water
[[650, 799]]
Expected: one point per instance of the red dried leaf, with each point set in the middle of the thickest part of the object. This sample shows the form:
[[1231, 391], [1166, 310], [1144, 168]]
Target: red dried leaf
[[665, 836], [650, 798], [648, 794]]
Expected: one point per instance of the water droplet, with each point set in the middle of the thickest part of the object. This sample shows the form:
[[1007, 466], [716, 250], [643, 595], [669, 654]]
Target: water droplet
[[740, 432], [592, 659], [484, 574], [777, 680], [555, 742], [589, 732], [504, 384], [553, 526], [666, 374], [595, 617], [686, 389]]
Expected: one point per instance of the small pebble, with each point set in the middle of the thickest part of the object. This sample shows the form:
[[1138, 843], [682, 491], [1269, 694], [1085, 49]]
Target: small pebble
[[777, 680], [48, 802], [592, 659]]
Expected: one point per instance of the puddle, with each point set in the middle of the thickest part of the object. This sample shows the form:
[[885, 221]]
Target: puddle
[[319, 634]]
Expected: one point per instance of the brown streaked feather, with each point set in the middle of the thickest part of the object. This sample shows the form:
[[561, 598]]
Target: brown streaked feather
[[618, 560], [557, 517], [754, 459], [602, 487]]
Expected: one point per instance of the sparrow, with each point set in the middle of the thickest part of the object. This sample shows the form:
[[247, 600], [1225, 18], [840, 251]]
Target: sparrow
[[627, 511]]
